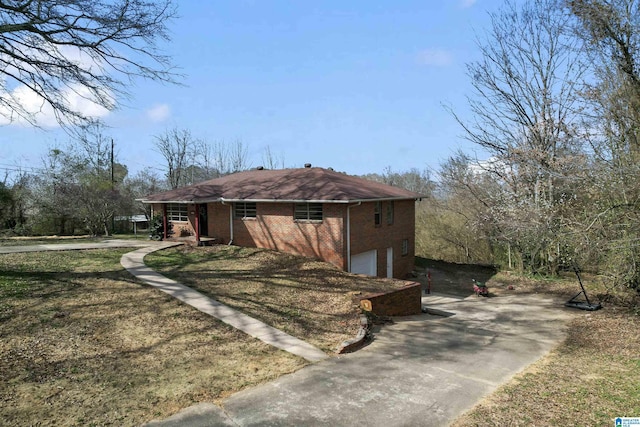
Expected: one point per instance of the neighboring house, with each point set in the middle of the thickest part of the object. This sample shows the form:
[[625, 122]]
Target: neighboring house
[[358, 225], [139, 222]]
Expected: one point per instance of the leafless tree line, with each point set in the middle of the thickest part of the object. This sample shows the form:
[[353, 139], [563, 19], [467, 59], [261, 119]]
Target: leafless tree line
[[556, 107]]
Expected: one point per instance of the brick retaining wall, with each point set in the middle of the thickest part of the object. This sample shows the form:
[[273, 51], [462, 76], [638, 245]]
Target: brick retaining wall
[[405, 301]]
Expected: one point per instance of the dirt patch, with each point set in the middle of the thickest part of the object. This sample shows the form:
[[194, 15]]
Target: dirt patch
[[82, 343], [451, 278]]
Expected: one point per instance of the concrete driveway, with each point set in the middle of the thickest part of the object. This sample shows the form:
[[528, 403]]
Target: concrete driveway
[[424, 370]]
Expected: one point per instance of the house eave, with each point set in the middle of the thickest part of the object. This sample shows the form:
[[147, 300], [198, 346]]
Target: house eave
[[153, 202], [249, 200]]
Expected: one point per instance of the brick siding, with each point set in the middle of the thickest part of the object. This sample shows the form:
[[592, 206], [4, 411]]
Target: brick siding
[[365, 235], [405, 301], [274, 228]]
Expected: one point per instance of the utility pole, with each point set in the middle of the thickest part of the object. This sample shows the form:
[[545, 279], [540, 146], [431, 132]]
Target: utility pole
[[112, 162], [113, 189]]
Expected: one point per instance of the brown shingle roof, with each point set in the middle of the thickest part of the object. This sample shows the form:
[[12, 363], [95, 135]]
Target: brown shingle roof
[[304, 184]]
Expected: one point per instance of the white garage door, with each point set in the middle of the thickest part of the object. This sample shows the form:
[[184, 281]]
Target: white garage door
[[365, 263]]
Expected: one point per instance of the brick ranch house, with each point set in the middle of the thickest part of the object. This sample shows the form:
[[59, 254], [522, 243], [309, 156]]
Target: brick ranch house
[[358, 225]]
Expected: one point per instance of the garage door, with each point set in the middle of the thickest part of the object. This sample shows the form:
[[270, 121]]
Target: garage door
[[365, 263]]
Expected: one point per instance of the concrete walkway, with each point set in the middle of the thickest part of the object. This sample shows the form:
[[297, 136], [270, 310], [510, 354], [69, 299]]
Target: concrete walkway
[[105, 244], [133, 262], [423, 370]]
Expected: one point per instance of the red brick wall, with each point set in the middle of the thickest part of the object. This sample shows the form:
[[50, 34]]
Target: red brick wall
[[275, 228], [218, 221], [402, 302], [180, 228], [365, 235]]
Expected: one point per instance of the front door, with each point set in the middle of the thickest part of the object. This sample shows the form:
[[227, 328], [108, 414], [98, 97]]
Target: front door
[[203, 223]]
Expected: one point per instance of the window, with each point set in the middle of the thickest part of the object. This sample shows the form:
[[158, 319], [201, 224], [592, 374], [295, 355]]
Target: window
[[377, 213], [177, 212], [405, 247], [390, 212], [244, 210], [308, 212]]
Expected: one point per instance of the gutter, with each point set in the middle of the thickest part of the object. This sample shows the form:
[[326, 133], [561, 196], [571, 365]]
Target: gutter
[[166, 201], [223, 200]]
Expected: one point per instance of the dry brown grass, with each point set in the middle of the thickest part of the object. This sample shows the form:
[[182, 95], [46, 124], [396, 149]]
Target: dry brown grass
[[82, 343], [308, 299]]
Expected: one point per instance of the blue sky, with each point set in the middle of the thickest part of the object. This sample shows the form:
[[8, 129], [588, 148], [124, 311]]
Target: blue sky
[[357, 86]]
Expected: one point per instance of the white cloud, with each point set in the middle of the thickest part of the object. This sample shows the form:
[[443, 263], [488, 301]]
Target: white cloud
[[78, 99], [465, 4], [479, 167], [435, 57], [159, 112], [76, 96]]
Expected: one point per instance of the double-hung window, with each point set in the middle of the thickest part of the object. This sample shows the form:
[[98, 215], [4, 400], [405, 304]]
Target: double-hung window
[[177, 212], [377, 213], [244, 210], [390, 212], [308, 212]]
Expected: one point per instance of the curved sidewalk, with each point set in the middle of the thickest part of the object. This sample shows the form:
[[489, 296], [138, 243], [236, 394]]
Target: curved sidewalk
[[134, 263]]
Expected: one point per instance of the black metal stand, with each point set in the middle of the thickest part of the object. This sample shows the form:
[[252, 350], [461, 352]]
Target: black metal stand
[[582, 305]]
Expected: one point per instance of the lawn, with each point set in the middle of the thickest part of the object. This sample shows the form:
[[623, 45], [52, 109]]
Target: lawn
[[590, 379], [308, 299], [83, 343]]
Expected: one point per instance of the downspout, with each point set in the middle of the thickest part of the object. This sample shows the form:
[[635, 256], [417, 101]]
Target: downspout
[[164, 221], [230, 220], [196, 221], [349, 235]]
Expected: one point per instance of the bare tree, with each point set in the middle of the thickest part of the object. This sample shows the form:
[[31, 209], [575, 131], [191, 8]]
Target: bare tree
[[61, 50], [177, 147], [526, 108], [238, 156], [142, 184], [270, 160], [611, 227]]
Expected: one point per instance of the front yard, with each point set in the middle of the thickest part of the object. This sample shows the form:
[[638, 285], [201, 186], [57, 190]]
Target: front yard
[[308, 299], [84, 343]]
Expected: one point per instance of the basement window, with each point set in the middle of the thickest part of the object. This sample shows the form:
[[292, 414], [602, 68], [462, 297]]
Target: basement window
[[177, 212], [243, 210], [308, 212], [405, 247]]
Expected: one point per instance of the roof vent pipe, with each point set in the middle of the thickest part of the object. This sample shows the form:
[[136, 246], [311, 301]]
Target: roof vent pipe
[[307, 165]]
